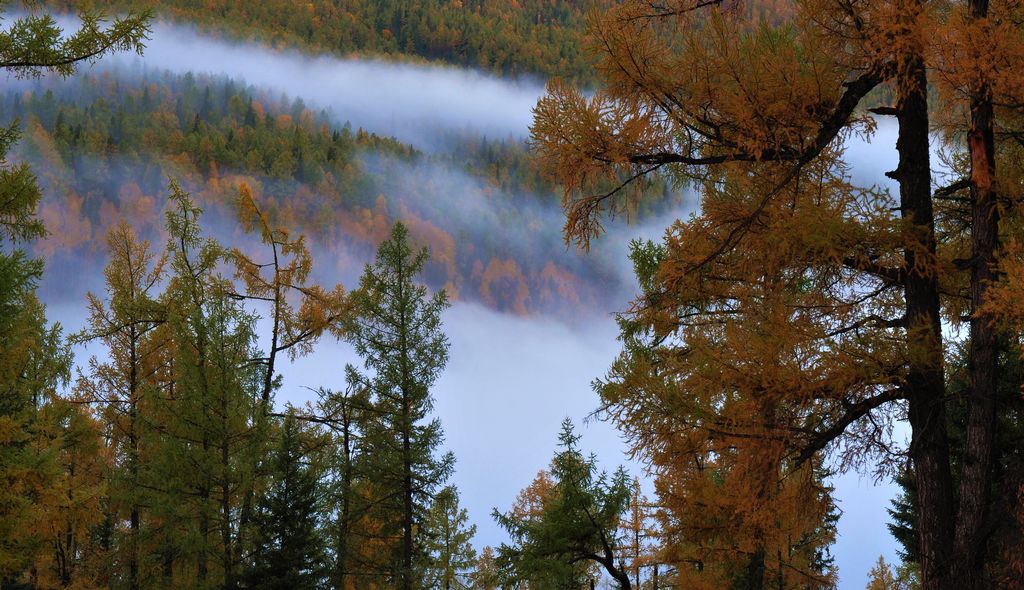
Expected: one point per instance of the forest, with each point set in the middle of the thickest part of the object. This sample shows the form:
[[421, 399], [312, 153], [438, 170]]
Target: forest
[[234, 321]]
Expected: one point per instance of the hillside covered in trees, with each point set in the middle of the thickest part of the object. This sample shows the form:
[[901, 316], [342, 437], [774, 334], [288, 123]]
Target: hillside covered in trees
[[531, 37], [108, 142]]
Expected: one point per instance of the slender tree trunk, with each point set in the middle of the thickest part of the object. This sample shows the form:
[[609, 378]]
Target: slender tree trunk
[[755, 570], [407, 548], [408, 504], [168, 558], [975, 482], [225, 499], [344, 528], [133, 438], [924, 385]]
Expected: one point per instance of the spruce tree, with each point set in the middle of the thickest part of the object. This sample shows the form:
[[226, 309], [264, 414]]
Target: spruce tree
[[288, 548], [345, 414], [575, 524], [396, 329]]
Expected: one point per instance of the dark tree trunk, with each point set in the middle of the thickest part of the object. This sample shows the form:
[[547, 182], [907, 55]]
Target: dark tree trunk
[[975, 483], [755, 571], [407, 516], [924, 386]]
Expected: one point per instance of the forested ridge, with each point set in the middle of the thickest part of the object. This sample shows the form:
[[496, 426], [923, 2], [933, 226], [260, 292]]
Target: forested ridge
[[531, 37], [107, 143], [814, 314]]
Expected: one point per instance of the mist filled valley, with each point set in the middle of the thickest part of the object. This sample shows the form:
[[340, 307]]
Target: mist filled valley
[[527, 295]]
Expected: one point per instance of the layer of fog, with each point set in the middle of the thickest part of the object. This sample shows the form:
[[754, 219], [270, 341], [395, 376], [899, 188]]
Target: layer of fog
[[413, 103]]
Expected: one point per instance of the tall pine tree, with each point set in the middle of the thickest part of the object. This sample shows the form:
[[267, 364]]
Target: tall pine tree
[[396, 329]]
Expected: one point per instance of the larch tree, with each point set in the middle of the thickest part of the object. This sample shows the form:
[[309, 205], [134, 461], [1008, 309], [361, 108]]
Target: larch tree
[[299, 311], [755, 116], [35, 363], [449, 555], [638, 535], [577, 523], [280, 279], [486, 575], [210, 419], [34, 359], [396, 329], [124, 385], [73, 506]]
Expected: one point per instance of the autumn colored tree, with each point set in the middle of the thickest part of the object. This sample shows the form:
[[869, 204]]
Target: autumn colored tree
[[755, 116], [34, 359], [295, 326], [882, 577], [34, 363], [74, 505], [486, 575], [577, 522], [449, 555], [210, 420], [396, 329], [124, 385], [299, 313], [639, 535]]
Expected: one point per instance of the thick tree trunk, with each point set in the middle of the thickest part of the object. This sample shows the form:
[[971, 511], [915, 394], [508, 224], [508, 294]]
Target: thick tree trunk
[[924, 386], [975, 483]]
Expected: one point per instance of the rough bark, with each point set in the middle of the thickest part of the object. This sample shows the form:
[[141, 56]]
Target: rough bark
[[975, 483], [924, 386]]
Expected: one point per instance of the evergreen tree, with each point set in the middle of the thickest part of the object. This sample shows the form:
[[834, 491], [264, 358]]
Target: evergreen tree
[[449, 554], [486, 576], [209, 420], [345, 414], [123, 385], [397, 331], [288, 548], [577, 522]]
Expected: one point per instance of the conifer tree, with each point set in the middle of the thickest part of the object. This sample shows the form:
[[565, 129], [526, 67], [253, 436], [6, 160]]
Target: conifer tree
[[345, 415], [300, 312], [33, 360], [125, 385], [288, 550], [577, 522], [486, 576], [449, 555], [73, 505], [34, 363], [396, 329], [754, 114], [209, 417]]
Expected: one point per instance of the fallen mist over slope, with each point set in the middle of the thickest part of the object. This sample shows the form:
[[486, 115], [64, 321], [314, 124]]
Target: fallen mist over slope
[[416, 104]]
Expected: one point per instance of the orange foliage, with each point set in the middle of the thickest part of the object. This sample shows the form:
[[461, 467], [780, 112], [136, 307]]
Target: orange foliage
[[504, 286], [69, 228]]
